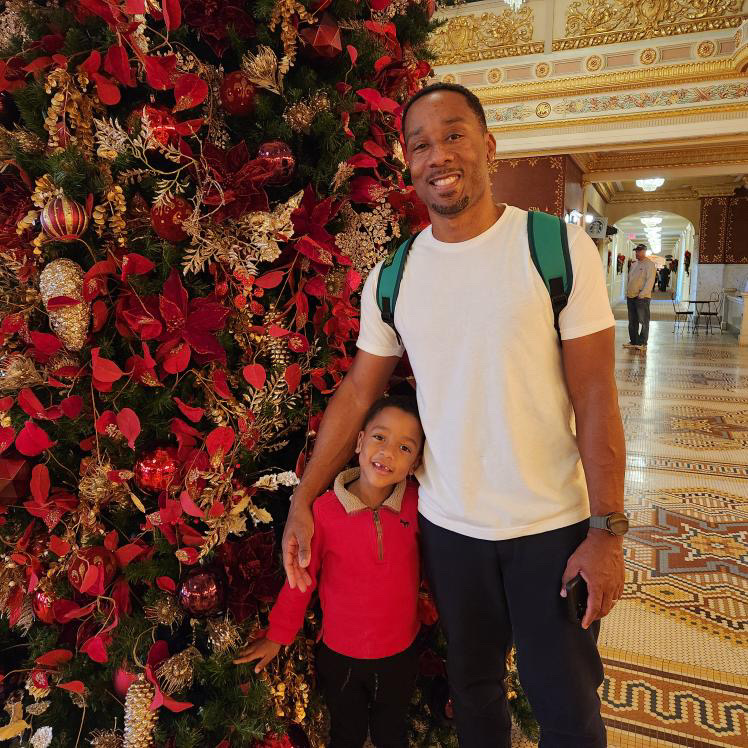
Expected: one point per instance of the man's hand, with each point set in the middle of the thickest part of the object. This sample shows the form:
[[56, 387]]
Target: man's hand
[[264, 650], [297, 544], [599, 559]]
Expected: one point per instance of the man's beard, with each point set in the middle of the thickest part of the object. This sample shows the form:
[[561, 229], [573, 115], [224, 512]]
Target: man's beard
[[451, 209]]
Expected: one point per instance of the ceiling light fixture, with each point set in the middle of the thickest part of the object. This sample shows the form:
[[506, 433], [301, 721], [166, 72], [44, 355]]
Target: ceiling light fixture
[[651, 221], [515, 5], [650, 185]]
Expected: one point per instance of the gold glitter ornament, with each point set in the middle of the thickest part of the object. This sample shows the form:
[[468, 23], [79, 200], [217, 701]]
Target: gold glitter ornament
[[17, 371], [140, 721], [299, 116], [64, 277], [105, 739], [178, 672], [166, 611], [223, 635]]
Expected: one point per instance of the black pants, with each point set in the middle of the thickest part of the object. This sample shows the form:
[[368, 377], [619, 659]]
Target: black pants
[[365, 695], [638, 320], [492, 592]]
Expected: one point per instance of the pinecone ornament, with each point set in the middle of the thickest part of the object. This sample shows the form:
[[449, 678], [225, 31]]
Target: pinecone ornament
[[64, 278], [140, 721]]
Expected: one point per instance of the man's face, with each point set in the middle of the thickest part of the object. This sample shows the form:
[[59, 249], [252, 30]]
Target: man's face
[[448, 153], [641, 254]]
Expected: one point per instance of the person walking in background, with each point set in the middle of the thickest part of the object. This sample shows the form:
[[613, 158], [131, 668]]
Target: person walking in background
[[664, 278], [638, 296]]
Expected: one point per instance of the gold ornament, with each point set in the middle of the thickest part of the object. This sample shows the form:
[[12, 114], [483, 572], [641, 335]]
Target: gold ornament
[[263, 69], [177, 673], [223, 635], [285, 13], [166, 611], [140, 721], [38, 692], [17, 371], [299, 116], [105, 739], [367, 235], [64, 277]]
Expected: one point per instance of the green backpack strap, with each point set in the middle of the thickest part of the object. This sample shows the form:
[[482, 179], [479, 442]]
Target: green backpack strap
[[388, 284], [549, 249]]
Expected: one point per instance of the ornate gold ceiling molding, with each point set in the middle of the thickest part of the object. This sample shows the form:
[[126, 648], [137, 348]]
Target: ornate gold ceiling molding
[[682, 158], [690, 72], [622, 118], [486, 37], [590, 23], [659, 196]]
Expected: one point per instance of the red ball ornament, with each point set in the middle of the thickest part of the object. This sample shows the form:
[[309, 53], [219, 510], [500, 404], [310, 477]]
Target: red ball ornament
[[324, 38], [63, 219], [157, 470], [237, 94], [281, 161], [167, 220], [15, 479], [202, 591], [87, 558], [41, 603]]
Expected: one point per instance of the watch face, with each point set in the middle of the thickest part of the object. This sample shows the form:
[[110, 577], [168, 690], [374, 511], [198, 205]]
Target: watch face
[[618, 524]]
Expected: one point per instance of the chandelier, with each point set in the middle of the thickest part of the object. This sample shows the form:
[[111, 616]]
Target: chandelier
[[515, 5], [650, 185]]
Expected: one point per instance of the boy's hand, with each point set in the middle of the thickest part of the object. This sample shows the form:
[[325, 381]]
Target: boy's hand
[[264, 650]]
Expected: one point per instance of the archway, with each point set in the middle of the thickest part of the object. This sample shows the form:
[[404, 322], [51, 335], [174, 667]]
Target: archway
[[670, 239]]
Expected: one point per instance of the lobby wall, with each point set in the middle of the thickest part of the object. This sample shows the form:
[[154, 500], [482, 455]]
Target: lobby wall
[[552, 184]]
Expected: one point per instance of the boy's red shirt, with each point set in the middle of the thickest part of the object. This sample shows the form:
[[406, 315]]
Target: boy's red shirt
[[367, 567]]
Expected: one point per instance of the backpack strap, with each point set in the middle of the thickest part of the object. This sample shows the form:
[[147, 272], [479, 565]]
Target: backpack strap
[[388, 283], [549, 249]]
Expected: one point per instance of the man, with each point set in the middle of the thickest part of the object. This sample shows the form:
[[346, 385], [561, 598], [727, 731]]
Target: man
[[504, 499], [638, 297], [664, 277]]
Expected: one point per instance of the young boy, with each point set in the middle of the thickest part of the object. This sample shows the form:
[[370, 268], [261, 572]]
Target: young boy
[[366, 563]]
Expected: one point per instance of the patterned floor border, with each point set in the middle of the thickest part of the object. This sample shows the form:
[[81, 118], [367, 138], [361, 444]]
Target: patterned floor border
[[642, 461], [648, 698]]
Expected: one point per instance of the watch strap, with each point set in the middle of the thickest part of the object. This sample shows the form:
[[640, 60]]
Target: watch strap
[[599, 522]]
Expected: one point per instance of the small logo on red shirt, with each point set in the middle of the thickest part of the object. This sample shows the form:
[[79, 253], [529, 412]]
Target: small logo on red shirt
[[405, 523]]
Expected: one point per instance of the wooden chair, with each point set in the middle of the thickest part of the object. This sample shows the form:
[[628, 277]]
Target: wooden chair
[[684, 317]]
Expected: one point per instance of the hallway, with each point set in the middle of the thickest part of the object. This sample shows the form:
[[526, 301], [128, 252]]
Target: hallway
[[676, 645]]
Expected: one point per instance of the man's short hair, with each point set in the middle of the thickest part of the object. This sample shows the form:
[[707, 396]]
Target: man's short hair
[[640, 248], [472, 100]]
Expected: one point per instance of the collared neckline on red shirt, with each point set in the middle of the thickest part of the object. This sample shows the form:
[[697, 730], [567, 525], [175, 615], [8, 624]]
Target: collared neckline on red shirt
[[351, 503]]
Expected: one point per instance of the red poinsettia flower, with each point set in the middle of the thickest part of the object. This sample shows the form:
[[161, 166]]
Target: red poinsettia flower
[[399, 74], [189, 326], [240, 179], [315, 242], [212, 19]]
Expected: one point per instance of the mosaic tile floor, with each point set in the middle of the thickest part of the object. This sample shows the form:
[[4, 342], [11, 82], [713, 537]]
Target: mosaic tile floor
[[676, 646]]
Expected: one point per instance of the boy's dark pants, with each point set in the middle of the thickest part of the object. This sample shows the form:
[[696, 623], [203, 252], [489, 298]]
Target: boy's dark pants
[[368, 694], [492, 592]]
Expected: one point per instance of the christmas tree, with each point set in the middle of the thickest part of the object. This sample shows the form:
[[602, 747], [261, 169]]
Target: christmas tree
[[192, 193]]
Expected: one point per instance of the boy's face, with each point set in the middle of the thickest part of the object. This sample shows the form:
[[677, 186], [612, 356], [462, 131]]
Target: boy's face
[[389, 447]]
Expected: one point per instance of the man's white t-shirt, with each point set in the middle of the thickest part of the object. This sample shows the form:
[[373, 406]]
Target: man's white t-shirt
[[501, 457]]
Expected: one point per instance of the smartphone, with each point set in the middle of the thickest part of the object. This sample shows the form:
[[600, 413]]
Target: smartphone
[[576, 599]]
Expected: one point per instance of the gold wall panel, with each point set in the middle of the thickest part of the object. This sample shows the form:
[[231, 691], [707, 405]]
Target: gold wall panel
[[593, 22], [490, 36]]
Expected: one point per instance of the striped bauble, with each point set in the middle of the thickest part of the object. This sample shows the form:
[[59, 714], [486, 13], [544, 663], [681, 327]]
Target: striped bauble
[[64, 219]]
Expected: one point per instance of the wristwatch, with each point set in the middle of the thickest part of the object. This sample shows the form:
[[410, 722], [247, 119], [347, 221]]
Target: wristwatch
[[616, 523]]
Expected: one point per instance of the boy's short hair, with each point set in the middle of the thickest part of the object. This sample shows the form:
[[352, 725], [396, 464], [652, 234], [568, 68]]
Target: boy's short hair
[[472, 100], [401, 402]]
